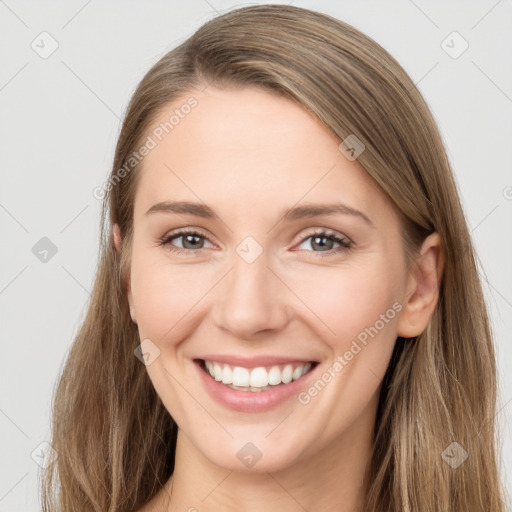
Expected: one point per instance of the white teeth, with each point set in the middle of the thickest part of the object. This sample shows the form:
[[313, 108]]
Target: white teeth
[[217, 372], [287, 374], [297, 373], [257, 379], [274, 376], [227, 375], [240, 376]]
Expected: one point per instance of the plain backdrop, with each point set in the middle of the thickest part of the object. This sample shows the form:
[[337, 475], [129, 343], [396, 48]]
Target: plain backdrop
[[67, 71]]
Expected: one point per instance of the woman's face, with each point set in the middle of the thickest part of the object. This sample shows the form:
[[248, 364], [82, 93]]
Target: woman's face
[[264, 286]]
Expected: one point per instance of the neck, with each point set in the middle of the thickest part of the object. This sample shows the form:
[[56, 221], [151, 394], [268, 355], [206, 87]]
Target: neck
[[332, 479]]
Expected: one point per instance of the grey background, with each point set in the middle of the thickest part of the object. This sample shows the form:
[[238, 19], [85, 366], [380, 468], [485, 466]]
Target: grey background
[[60, 117]]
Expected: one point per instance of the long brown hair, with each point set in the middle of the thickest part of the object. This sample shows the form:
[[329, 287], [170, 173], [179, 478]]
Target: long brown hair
[[114, 439]]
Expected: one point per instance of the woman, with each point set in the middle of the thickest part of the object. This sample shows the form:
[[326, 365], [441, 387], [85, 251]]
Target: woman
[[287, 313]]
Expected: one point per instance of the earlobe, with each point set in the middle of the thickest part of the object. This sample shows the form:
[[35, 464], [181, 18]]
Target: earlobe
[[118, 243], [422, 288], [116, 234], [132, 309]]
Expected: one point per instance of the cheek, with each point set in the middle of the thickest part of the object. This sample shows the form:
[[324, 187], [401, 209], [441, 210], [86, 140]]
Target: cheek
[[349, 299], [340, 302], [360, 305], [166, 295]]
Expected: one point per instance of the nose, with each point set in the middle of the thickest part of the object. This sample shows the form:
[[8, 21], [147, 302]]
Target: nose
[[251, 299]]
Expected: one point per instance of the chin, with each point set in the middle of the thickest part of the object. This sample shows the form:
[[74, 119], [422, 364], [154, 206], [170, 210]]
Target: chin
[[256, 456]]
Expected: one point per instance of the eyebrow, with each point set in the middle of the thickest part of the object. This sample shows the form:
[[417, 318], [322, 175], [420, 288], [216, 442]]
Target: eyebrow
[[295, 213]]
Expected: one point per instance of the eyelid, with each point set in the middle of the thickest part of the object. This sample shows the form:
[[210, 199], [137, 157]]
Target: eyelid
[[327, 233], [344, 241], [165, 240], [186, 231]]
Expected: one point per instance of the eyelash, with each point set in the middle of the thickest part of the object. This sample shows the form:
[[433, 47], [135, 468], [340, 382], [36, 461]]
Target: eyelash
[[345, 243]]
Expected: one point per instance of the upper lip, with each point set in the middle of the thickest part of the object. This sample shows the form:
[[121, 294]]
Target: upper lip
[[254, 362]]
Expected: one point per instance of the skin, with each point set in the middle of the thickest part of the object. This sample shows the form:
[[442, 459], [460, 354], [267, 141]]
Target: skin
[[250, 155]]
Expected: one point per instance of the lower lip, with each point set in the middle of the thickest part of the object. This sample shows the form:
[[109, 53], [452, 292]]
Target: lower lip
[[249, 401]]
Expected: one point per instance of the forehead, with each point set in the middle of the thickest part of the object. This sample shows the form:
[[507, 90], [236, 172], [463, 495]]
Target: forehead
[[248, 148]]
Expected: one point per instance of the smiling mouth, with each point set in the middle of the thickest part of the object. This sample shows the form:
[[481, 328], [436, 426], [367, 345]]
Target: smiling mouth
[[261, 378]]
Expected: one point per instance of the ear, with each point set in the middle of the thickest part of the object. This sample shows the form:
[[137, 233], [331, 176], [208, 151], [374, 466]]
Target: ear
[[423, 286], [118, 243]]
